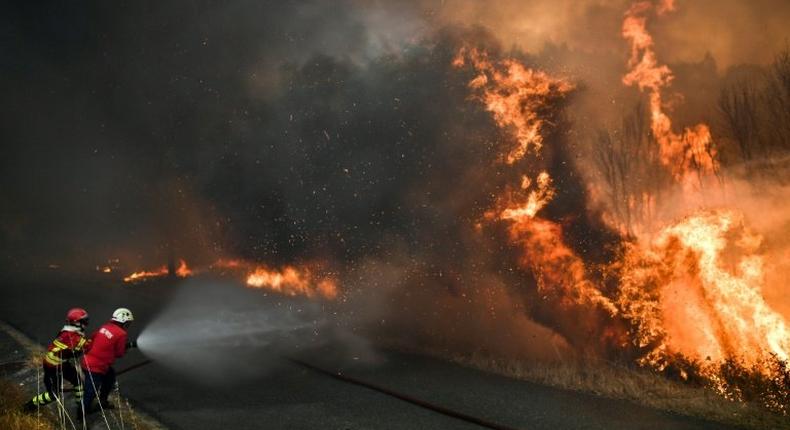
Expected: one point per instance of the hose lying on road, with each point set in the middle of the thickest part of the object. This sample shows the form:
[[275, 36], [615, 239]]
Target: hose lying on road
[[132, 367], [351, 380], [406, 398]]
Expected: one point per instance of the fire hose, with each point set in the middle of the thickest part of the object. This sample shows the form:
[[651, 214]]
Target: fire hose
[[133, 366], [406, 398], [121, 372], [378, 388]]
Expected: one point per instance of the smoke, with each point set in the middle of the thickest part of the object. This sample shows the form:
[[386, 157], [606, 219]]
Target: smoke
[[130, 121], [732, 32], [272, 130], [403, 303], [216, 332]]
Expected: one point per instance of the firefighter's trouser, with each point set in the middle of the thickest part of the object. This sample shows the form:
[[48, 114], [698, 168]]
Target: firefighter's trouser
[[102, 383], [53, 382]]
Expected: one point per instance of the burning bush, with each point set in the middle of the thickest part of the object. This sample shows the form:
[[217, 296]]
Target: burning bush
[[766, 382]]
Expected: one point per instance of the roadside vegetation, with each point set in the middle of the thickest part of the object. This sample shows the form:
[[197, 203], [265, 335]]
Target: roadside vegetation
[[18, 389], [12, 418], [633, 384], [12, 395]]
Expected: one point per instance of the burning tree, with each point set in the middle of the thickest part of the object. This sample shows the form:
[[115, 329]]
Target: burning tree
[[628, 160]]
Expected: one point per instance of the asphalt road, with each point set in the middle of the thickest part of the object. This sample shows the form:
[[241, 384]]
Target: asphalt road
[[289, 396]]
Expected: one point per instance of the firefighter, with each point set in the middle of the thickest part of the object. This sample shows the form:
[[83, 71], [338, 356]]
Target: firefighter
[[60, 360], [108, 343]]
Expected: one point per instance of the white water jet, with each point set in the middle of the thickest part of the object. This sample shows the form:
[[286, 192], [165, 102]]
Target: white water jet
[[219, 332]]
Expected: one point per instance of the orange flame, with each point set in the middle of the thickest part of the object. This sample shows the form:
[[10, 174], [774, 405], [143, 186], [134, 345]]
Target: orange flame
[[520, 99], [182, 271], [559, 272], [697, 291], [682, 153], [515, 95], [536, 199], [143, 274], [292, 282]]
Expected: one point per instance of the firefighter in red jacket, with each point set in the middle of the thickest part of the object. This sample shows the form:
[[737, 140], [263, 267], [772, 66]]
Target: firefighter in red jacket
[[60, 360], [108, 343]]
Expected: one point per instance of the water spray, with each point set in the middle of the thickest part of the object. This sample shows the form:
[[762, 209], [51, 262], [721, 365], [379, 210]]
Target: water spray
[[213, 325]]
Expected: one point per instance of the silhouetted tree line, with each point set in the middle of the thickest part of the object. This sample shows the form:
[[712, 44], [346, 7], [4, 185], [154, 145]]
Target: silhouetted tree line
[[753, 128], [755, 114]]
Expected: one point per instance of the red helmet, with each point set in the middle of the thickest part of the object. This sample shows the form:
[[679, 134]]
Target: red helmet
[[77, 316]]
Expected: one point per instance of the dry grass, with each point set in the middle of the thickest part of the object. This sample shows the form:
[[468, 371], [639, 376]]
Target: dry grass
[[12, 418], [12, 396], [35, 358], [636, 385], [135, 421], [611, 380]]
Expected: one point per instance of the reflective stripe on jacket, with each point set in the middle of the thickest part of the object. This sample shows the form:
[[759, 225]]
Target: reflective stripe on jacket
[[69, 343]]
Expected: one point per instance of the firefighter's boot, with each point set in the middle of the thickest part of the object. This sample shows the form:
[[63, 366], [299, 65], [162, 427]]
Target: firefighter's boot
[[79, 415], [29, 407]]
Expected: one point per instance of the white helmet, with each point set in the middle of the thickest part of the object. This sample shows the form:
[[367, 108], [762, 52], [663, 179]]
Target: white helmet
[[122, 315]]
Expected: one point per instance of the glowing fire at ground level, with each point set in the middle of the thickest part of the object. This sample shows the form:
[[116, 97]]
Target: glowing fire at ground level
[[289, 280], [182, 271], [292, 281]]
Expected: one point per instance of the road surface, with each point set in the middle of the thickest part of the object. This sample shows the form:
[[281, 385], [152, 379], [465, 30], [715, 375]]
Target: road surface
[[289, 396]]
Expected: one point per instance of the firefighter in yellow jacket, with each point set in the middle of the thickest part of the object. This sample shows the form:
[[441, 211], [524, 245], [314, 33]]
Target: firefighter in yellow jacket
[[60, 360]]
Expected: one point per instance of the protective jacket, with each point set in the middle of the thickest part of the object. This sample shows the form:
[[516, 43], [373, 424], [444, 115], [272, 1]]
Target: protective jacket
[[107, 344], [69, 343]]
